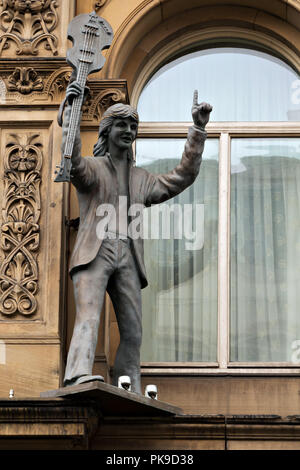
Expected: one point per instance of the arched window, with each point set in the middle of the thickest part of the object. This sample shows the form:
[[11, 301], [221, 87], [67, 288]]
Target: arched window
[[223, 257], [242, 84]]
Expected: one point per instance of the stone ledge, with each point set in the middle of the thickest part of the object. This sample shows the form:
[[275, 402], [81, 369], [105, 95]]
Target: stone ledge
[[114, 401], [78, 423]]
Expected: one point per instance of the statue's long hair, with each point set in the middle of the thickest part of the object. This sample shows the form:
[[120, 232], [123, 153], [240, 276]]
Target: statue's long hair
[[118, 110]]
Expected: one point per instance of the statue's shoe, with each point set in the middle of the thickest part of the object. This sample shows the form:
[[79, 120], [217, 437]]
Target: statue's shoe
[[83, 379], [88, 378]]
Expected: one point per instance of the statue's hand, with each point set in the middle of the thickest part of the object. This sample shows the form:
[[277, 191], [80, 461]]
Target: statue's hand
[[200, 112], [74, 90]]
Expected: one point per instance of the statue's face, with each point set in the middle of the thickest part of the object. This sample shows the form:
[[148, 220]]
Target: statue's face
[[122, 133]]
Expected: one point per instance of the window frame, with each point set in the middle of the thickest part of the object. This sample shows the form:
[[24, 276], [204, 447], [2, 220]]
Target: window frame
[[225, 132]]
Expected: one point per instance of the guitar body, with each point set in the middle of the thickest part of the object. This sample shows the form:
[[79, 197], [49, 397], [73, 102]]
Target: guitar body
[[90, 35]]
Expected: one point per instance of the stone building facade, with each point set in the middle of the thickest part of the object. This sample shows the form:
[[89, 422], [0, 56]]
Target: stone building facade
[[225, 405]]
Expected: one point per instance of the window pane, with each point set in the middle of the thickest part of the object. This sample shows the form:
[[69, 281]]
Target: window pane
[[265, 249], [180, 303], [241, 84]]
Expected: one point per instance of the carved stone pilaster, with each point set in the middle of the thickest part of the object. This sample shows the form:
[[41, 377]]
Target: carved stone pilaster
[[20, 228], [27, 24]]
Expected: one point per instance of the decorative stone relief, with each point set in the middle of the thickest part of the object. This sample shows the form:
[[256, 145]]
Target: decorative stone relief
[[25, 80], [26, 85], [57, 83], [33, 85], [97, 103], [20, 224], [27, 23]]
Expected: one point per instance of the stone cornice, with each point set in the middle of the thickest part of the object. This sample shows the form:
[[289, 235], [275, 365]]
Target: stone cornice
[[31, 419], [79, 424], [38, 83]]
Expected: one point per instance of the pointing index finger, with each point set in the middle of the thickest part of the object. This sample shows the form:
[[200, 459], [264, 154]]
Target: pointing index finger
[[195, 98]]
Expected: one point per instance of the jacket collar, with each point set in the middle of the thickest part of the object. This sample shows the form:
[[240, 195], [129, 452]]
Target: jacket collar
[[131, 160]]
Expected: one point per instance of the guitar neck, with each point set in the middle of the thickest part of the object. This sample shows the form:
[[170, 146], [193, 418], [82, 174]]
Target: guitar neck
[[75, 112]]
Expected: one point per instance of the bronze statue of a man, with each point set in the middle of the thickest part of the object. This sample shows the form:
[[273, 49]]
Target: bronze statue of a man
[[114, 262]]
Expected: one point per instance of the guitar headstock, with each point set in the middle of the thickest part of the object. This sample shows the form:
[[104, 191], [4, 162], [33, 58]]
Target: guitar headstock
[[90, 35]]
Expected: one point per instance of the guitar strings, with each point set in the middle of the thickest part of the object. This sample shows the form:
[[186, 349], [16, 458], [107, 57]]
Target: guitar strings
[[82, 72], [74, 111]]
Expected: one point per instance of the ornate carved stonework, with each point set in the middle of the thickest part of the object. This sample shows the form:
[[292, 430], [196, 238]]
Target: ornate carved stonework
[[20, 224], [29, 84], [25, 80], [56, 85], [97, 103], [37, 84], [27, 23]]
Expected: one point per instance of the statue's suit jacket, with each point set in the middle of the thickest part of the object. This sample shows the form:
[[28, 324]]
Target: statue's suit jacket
[[96, 182]]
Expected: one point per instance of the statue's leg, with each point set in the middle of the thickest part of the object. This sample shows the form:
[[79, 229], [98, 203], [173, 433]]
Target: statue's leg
[[124, 288], [89, 292]]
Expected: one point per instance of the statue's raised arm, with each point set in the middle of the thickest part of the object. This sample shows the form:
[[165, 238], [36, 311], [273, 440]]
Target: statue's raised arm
[[165, 186]]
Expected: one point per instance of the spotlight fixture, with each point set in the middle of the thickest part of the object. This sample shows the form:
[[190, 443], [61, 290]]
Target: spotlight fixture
[[124, 382], [151, 392]]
